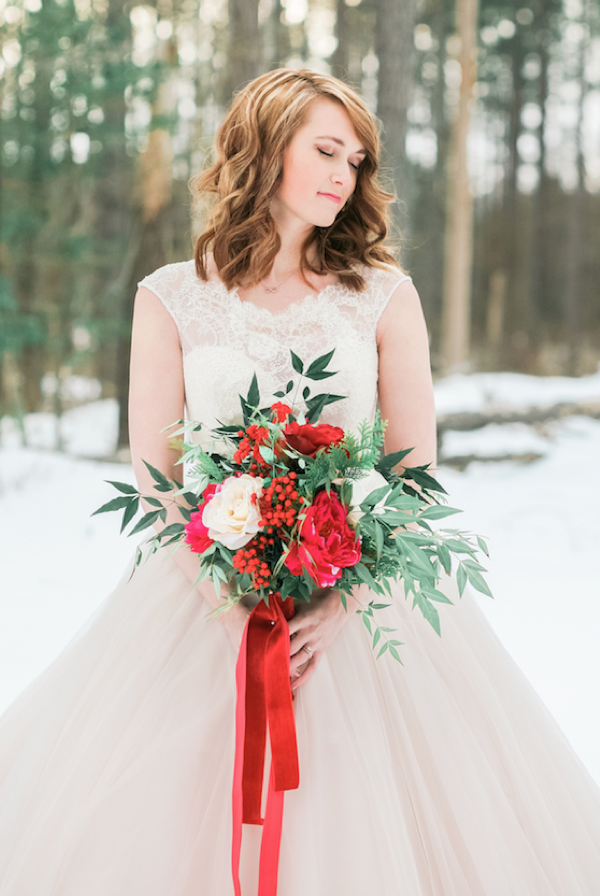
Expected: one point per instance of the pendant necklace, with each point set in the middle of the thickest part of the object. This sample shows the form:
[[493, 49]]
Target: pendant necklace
[[273, 289]]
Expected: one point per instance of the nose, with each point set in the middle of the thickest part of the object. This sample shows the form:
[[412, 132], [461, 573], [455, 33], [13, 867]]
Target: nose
[[342, 178]]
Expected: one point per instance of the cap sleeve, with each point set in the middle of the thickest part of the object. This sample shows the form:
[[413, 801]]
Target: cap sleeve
[[171, 284], [385, 282]]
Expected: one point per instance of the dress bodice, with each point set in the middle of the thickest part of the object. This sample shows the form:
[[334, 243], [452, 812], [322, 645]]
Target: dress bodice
[[225, 340]]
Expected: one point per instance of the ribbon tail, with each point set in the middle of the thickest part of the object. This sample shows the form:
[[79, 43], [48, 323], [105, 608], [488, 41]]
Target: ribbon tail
[[238, 766], [271, 840]]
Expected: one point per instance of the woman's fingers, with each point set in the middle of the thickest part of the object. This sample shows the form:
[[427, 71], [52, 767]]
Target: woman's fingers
[[307, 674], [299, 659]]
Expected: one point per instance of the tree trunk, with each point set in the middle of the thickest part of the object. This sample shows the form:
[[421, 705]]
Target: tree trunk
[[456, 312], [394, 47], [575, 218], [244, 43], [538, 288], [340, 62], [516, 317]]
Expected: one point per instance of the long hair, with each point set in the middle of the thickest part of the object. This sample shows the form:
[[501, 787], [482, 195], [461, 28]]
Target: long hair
[[247, 171]]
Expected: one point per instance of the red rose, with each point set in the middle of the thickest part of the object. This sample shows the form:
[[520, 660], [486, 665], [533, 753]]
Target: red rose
[[280, 411], [196, 533], [309, 437], [326, 542]]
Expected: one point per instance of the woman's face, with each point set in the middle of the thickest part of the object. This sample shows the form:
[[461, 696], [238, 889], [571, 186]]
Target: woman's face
[[319, 167]]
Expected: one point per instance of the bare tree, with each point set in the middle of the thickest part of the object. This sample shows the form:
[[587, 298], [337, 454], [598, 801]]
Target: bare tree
[[244, 38], [458, 255], [394, 47]]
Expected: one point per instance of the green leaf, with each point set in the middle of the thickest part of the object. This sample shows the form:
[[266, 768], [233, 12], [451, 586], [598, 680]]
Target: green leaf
[[173, 529], [305, 392], [123, 487], [318, 402], [289, 387], [376, 637], [253, 397], [429, 612], [115, 504], [437, 512], [434, 594], [297, 363], [153, 502], [445, 558], [390, 460], [482, 546], [367, 622], [461, 578], [378, 540], [130, 512], [424, 479], [319, 364], [365, 576], [394, 653], [321, 374], [374, 497], [383, 649], [279, 394], [478, 582], [147, 520], [158, 477]]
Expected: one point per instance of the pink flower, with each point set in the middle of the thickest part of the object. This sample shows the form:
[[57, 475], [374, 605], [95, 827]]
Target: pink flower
[[196, 533], [327, 544]]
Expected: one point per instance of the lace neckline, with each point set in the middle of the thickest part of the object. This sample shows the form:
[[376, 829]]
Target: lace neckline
[[246, 306]]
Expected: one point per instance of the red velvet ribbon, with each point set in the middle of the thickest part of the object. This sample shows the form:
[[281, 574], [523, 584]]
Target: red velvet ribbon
[[264, 698]]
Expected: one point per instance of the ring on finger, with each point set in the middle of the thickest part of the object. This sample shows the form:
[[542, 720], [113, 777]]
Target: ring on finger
[[307, 649]]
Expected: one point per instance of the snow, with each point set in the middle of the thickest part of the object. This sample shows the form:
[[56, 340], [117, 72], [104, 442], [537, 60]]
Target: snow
[[541, 520], [492, 391]]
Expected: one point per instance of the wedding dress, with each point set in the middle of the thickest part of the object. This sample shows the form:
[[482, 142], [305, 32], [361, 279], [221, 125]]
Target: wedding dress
[[444, 776]]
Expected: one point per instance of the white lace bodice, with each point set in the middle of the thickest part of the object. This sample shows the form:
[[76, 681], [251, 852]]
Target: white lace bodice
[[224, 340]]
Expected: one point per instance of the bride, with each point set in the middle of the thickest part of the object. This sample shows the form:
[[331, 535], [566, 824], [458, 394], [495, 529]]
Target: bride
[[444, 776]]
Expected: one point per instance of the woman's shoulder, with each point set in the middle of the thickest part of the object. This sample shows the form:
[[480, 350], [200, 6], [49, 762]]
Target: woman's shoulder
[[170, 278], [381, 282], [383, 276]]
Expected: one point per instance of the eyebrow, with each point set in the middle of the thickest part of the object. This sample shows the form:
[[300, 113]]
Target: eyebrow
[[359, 152]]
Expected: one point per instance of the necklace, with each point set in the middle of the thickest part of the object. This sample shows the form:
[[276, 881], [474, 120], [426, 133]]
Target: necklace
[[273, 289]]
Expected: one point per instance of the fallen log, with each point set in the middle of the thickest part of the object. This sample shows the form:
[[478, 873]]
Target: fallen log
[[465, 421]]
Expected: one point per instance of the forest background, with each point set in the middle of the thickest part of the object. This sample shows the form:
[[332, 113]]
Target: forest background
[[490, 119]]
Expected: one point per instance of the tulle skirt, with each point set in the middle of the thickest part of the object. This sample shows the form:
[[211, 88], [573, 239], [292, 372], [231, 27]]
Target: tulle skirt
[[444, 776]]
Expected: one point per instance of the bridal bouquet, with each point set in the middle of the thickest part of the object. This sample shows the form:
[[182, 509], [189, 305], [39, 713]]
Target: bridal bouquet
[[284, 504]]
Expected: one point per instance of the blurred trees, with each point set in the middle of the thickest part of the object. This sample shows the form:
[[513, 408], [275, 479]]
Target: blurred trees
[[108, 108]]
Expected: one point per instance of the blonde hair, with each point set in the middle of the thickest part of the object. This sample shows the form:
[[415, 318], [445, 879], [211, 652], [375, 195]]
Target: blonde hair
[[248, 149]]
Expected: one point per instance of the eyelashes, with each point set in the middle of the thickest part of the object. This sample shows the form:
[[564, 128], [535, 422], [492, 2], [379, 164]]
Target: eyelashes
[[330, 156]]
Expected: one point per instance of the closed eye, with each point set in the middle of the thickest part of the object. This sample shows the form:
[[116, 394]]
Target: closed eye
[[330, 155]]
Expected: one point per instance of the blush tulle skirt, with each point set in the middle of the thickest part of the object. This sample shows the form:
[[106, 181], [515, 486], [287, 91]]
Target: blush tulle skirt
[[444, 776]]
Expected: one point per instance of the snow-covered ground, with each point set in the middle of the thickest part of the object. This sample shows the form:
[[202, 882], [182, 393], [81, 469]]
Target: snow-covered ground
[[542, 521]]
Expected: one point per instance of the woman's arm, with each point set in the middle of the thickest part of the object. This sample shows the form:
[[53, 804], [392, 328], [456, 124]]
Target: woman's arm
[[156, 399], [405, 387]]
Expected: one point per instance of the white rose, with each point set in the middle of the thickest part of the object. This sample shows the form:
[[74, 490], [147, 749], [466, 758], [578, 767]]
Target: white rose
[[231, 516], [361, 489]]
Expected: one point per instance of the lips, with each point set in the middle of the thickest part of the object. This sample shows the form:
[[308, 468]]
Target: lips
[[331, 196]]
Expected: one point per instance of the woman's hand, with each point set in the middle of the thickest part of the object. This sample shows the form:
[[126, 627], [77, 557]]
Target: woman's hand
[[315, 625]]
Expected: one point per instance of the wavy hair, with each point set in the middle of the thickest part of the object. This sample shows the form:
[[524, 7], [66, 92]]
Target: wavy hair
[[247, 171]]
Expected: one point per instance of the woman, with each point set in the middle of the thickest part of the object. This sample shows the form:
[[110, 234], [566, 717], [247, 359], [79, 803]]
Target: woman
[[445, 776]]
